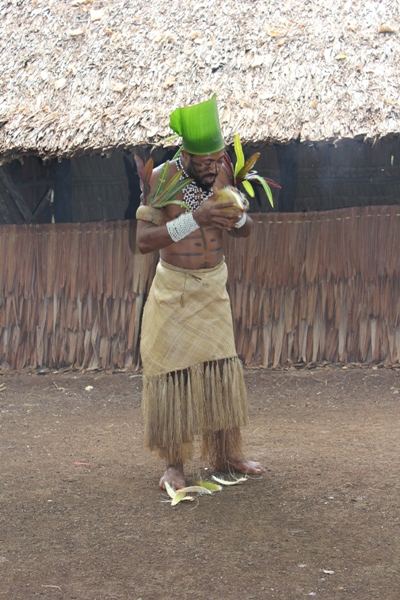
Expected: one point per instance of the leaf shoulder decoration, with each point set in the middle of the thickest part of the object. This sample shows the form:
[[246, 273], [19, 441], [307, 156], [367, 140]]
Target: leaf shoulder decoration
[[243, 173], [165, 192]]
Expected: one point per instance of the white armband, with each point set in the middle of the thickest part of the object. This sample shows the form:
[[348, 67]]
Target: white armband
[[180, 227], [242, 221]]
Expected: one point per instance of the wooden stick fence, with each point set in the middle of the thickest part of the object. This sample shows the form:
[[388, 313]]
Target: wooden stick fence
[[305, 287]]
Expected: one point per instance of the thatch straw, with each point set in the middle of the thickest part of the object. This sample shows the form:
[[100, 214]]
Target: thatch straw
[[71, 295], [321, 286], [305, 287], [82, 76]]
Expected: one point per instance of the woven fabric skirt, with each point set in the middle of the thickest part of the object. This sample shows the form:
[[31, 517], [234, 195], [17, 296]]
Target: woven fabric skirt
[[193, 380]]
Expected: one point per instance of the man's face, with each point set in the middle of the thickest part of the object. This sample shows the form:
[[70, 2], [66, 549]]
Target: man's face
[[204, 169]]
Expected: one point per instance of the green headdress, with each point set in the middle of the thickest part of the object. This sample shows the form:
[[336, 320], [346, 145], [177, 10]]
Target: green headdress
[[199, 127]]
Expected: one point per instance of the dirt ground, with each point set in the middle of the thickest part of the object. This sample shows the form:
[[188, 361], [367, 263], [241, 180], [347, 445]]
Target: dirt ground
[[82, 516]]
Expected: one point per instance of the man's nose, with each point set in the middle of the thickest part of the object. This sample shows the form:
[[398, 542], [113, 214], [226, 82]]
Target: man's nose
[[214, 168]]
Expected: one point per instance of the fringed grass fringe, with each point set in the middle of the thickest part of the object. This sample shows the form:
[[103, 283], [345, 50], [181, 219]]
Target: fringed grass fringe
[[72, 294], [222, 446], [202, 400], [327, 288]]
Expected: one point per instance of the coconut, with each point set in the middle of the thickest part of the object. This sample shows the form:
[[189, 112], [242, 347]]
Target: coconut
[[232, 194]]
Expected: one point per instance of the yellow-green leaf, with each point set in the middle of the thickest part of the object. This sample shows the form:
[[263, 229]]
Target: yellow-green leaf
[[170, 491], [160, 183], [209, 485], [169, 197], [179, 496], [195, 488], [239, 154], [172, 137], [177, 153], [266, 187], [248, 187], [249, 164], [224, 482]]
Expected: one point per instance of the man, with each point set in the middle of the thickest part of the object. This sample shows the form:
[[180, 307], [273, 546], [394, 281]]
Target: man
[[193, 379]]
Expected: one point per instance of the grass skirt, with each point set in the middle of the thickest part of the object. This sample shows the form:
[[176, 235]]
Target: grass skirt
[[193, 380]]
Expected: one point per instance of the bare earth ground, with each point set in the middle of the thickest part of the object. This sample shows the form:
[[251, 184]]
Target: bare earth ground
[[324, 521]]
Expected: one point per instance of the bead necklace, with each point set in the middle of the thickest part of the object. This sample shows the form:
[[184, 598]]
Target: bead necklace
[[192, 192]]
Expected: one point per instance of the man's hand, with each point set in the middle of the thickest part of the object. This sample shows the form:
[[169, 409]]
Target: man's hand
[[210, 214]]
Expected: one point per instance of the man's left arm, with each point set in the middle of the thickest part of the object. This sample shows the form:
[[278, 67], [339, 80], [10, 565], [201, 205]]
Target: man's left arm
[[244, 230]]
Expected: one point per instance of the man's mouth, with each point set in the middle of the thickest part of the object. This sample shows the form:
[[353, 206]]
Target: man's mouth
[[209, 180]]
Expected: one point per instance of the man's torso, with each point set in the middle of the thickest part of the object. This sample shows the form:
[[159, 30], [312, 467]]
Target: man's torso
[[202, 249]]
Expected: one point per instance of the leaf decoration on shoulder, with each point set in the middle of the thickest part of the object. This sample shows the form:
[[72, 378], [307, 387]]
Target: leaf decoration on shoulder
[[144, 171], [243, 173], [165, 191]]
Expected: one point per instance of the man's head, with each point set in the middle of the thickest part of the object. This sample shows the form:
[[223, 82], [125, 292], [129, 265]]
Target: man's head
[[199, 127], [203, 169]]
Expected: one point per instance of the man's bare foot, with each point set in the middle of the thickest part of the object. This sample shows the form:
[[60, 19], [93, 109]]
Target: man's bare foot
[[248, 467], [174, 476]]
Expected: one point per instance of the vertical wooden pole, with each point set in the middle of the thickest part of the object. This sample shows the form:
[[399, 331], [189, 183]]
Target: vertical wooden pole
[[63, 212]]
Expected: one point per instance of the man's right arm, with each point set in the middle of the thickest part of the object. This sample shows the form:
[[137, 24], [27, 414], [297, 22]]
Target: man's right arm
[[151, 237]]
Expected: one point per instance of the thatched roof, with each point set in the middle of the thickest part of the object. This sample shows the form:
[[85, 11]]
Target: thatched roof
[[89, 74]]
